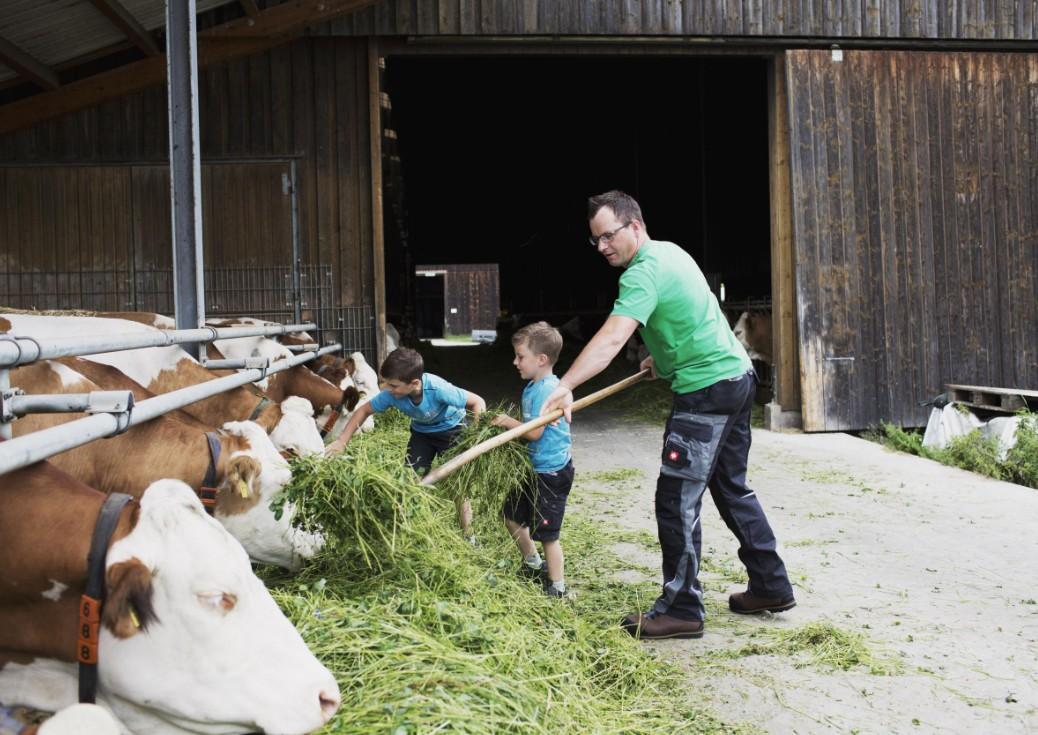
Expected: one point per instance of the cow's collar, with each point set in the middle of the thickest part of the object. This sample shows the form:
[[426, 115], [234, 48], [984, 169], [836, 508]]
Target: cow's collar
[[333, 419], [94, 596], [259, 407], [207, 492]]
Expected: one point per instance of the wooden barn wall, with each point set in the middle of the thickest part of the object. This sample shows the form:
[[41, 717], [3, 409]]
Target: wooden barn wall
[[917, 19], [307, 102], [915, 191], [473, 290]]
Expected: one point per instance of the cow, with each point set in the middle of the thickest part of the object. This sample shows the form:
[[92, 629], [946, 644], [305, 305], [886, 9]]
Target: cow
[[295, 381], [392, 338], [753, 330], [77, 719], [164, 369], [190, 639], [364, 376], [249, 472]]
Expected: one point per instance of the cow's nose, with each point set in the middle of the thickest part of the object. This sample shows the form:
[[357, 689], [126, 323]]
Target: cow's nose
[[330, 701]]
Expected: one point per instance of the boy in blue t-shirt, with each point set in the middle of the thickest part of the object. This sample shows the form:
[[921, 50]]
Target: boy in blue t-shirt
[[437, 411], [535, 512]]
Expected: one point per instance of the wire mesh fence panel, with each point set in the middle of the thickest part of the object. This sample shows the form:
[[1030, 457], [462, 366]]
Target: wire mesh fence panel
[[261, 292]]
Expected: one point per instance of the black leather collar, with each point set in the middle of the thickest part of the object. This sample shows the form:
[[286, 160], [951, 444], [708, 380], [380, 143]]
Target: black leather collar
[[93, 598]]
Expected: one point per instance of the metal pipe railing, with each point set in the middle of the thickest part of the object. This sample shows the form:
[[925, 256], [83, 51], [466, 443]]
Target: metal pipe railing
[[16, 350], [25, 450], [242, 363], [98, 401]]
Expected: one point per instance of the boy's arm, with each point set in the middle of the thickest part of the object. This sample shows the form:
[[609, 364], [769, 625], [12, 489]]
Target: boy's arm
[[359, 416], [507, 422], [475, 404]]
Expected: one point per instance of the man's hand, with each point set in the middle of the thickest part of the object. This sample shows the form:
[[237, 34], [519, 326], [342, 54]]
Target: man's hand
[[648, 363], [561, 397]]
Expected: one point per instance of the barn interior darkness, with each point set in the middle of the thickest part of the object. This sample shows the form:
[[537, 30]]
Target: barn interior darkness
[[498, 155]]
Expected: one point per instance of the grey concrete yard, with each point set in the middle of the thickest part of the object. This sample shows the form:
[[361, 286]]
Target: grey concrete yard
[[936, 567]]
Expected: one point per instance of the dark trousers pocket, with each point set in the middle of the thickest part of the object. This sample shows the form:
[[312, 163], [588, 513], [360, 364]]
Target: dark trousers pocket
[[690, 444]]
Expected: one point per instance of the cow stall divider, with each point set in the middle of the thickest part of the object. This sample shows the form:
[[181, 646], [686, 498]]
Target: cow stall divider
[[115, 411]]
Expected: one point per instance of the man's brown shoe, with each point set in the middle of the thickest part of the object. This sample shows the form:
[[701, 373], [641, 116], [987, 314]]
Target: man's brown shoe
[[747, 603], [650, 627]]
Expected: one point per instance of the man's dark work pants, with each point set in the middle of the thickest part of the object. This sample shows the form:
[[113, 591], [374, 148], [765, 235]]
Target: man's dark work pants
[[706, 443]]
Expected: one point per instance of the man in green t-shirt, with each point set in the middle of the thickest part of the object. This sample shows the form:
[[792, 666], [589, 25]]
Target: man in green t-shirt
[[707, 436]]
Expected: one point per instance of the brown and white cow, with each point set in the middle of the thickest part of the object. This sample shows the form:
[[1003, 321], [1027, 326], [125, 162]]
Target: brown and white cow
[[753, 330], [164, 369], [248, 475], [298, 381], [191, 640]]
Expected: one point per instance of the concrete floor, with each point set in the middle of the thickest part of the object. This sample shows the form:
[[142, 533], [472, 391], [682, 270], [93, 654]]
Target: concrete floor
[[936, 567]]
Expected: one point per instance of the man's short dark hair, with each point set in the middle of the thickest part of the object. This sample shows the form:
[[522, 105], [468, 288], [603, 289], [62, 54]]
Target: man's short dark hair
[[541, 338], [403, 364], [623, 206]]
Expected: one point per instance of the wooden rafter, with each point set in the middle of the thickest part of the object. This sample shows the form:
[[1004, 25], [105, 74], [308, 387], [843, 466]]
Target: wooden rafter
[[123, 20], [237, 38], [250, 8], [27, 66]]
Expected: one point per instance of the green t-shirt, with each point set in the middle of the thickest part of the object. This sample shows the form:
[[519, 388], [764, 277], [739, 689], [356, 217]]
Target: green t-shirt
[[683, 326]]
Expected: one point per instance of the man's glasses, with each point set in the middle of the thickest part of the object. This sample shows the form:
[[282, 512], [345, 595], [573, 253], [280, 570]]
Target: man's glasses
[[606, 237]]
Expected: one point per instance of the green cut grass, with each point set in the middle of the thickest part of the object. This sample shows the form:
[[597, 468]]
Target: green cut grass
[[427, 634]]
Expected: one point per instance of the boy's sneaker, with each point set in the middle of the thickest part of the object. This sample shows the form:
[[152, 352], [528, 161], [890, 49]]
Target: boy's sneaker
[[550, 591], [534, 574]]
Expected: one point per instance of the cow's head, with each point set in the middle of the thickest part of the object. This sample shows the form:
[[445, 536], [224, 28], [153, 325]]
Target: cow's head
[[296, 432], [256, 472], [191, 640]]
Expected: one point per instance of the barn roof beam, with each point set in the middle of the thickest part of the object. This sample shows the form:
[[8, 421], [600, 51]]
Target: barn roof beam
[[241, 37], [250, 8], [122, 19], [27, 66]]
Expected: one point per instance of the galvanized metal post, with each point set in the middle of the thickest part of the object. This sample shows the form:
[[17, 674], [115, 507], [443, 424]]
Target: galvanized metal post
[[6, 431], [185, 170], [297, 291]]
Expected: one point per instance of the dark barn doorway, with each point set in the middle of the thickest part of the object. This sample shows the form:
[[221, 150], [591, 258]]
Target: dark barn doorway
[[499, 154], [429, 306]]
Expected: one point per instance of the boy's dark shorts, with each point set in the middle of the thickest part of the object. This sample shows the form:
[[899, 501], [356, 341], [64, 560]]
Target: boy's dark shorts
[[541, 504], [423, 448]]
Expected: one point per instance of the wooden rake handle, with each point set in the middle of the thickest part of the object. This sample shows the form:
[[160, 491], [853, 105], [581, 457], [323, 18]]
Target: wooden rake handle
[[495, 441]]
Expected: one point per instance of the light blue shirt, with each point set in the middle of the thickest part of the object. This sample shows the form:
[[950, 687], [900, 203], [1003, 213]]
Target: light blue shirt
[[442, 406], [551, 452]]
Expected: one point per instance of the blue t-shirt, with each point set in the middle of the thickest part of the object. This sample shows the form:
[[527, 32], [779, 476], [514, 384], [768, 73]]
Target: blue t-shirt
[[442, 406], [551, 452]]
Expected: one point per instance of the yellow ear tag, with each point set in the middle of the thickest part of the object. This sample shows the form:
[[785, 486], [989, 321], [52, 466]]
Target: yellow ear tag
[[243, 488], [133, 618]]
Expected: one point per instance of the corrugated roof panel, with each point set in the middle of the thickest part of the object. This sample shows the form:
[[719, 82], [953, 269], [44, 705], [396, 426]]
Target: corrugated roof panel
[[152, 14], [55, 31], [52, 31]]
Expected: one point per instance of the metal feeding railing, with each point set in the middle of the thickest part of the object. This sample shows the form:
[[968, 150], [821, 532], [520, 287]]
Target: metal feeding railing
[[114, 411], [261, 292]]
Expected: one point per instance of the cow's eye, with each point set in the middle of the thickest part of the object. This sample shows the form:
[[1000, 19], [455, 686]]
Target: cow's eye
[[222, 601]]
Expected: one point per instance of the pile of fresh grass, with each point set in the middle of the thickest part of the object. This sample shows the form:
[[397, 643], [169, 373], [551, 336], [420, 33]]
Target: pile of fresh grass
[[427, 633], [819, 643], [973, 451]]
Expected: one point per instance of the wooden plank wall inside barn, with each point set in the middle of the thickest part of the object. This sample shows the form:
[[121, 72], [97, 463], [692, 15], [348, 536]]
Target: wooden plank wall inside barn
[[915, 182], [473, 290], [931, 19], [306, 101]]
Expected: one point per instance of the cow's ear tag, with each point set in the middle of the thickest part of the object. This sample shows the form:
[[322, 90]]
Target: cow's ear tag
[[243, 488], [134, 619]]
